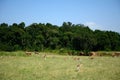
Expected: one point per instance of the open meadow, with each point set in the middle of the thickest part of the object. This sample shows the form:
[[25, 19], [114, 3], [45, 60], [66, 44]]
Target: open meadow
[[18, 66]]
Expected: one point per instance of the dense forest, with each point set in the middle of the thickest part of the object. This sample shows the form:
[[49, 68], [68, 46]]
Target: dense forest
[[39, 37]]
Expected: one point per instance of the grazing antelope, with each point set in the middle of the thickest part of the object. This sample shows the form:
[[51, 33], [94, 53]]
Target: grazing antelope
[[45, 56], [78, 67], [28, 53], [92, 55], [36, 52], [116, 54], [81, 54], [76, 58]]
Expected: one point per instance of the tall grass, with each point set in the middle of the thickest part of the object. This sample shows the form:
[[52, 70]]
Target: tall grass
[[16, 53], [57, 67]]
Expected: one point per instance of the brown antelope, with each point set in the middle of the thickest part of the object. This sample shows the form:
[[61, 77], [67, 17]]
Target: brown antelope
[[116, 54], [78, 67], [28, 53], [36, 52], [76, 58], [92, 55], [45, 56], [81, 54]]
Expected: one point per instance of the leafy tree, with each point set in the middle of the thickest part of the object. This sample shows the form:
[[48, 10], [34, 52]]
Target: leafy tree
[[74, 37], [103, 41]]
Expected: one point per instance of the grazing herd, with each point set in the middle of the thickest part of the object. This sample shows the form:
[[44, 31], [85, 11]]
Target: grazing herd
[[116, 54], [77, 59], [28, 53], [91, 54]]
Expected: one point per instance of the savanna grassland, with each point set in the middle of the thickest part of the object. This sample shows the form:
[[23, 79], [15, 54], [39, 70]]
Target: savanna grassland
[[18, 66]]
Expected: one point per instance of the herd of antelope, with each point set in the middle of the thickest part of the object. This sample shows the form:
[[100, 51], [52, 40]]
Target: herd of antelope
[[78, 65], [114, 54], [91, 54], [28, 53]]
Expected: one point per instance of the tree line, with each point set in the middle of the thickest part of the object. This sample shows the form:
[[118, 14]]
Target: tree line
[[41, 36]]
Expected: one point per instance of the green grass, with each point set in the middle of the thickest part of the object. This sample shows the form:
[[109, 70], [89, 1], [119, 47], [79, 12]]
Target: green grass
[[17, 66]]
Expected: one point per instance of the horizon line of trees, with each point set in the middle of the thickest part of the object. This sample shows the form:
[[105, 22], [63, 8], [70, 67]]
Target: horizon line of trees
[[38, 37]]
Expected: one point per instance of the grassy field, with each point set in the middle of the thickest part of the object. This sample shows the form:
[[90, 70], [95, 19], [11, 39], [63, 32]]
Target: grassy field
[[18, 66]]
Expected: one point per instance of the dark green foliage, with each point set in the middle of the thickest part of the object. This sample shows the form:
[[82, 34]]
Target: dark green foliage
[[39, 37]]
